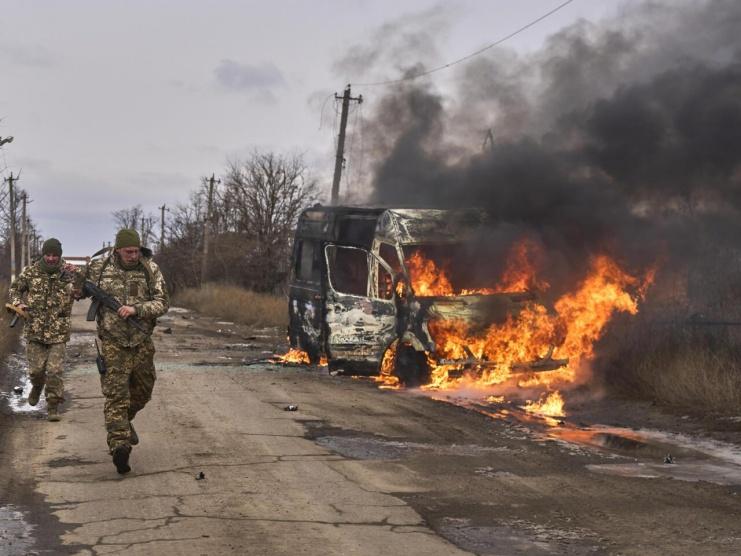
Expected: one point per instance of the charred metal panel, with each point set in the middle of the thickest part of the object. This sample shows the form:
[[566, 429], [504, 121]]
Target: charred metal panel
[[305, 323], [359, 329], [409, 226], [479, 309]]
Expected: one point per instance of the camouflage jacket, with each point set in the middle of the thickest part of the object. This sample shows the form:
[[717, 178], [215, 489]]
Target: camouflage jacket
[[49, 299], [143, 287]]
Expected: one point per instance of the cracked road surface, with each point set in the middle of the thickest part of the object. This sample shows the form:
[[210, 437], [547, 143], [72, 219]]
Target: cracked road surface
[[354, 470]]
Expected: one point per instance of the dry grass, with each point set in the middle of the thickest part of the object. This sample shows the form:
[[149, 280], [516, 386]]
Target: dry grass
[[8, 336], [235, 304], [682, 366]]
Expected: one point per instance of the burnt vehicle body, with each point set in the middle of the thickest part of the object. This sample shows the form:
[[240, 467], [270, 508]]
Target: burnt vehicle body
[[351, 296]]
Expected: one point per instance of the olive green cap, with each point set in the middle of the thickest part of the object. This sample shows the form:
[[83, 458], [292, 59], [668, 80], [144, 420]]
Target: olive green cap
[[52, 246], [127, 238]]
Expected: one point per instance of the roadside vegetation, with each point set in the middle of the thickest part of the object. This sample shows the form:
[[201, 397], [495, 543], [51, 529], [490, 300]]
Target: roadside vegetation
[[8, 336], [236, 304], [683, 350]]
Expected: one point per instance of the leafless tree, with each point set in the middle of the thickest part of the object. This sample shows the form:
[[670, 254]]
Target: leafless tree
[[267, 191], [135, 218]]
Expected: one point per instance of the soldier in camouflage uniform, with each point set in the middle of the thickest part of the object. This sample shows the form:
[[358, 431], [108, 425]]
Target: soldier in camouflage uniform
[[128, 274], [47, 286]]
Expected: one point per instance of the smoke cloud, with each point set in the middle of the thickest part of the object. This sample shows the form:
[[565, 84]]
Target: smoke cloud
[[621, 137]]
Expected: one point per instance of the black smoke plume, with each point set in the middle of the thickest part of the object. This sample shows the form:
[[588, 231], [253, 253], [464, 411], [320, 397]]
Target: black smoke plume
[[622, 138]]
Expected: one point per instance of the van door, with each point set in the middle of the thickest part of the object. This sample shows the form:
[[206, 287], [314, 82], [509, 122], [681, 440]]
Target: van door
[[305, 298], [360, 307]]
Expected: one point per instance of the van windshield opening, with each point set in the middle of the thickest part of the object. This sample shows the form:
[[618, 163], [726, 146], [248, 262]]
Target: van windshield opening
[[447, 269]]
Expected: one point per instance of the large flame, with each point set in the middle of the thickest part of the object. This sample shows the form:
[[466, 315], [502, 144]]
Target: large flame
[[429, 279], [506, 351]]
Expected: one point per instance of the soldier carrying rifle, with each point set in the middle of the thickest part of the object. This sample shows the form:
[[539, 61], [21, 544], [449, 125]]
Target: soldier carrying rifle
[[43, 293], [128, 275]]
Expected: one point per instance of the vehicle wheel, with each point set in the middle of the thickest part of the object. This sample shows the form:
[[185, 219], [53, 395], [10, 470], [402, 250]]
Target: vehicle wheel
[[411, 367]]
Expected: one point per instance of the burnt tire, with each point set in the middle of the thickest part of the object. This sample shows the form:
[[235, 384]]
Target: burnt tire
[[410, 366]]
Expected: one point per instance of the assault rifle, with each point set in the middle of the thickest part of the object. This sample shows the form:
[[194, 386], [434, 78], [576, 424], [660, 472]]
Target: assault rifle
[[101, 299]]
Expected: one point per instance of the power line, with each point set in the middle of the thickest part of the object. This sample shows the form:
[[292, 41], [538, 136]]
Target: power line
[[471, 55]]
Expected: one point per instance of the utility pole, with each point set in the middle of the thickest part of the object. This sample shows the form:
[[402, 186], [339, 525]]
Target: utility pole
[[207, 227], [163, 208], [340, 160], [24, 232], [11, 194], [29, 239]]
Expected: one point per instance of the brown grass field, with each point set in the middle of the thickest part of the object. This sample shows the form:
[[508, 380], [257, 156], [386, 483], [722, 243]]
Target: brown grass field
[[681, 366], [235, 304]]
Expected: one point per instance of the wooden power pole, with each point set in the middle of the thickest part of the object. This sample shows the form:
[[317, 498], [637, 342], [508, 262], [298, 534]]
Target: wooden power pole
[[11, 193], [24, 232], [207, 227], [163, 208], [339, 161]]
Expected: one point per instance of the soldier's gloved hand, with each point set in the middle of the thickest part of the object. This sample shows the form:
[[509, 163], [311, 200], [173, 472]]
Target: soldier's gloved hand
[[69, 267], [126, 311], [22, 306], [76, 294]]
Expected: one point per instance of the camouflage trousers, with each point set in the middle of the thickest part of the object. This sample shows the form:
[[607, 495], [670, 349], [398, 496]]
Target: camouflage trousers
[[127, 386], [45, 365]]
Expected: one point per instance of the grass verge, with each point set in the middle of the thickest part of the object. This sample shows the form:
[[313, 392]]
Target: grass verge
[[8, 336], [685, 367], [235, 304]]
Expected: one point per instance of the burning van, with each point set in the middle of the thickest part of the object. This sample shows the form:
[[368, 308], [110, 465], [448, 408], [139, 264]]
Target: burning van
[[367, 294]]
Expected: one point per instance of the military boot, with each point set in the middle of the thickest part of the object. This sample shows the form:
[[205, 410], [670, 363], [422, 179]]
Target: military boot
[[133, 437], [33, 397], [121, 459], [53, 414]]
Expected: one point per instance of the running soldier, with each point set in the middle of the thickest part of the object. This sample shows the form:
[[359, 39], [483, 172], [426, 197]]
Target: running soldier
[[128, 274], [45, 291]]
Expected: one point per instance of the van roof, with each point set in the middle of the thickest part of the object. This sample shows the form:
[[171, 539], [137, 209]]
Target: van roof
[[360, 225]]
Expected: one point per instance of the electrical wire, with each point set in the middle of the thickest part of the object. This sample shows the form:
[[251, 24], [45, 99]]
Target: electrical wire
[[471, 55]]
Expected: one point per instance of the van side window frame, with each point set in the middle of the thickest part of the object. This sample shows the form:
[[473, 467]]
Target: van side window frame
[[371, 274], [308, 258]]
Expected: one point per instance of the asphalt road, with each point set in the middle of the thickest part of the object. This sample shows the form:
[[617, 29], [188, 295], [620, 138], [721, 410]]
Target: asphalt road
[[353, 470]]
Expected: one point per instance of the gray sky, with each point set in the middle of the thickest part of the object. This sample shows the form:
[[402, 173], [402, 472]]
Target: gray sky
[[115, 103]]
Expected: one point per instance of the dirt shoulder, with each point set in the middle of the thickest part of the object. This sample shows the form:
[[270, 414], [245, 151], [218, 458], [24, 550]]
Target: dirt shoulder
[[355, 469]]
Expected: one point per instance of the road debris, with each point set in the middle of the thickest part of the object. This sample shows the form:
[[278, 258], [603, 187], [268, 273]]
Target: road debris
[[668, 458], [291, 407], [201, 476], [18, 390], [167, 330]]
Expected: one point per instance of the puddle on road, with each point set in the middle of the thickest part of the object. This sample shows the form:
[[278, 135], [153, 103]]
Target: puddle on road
[[15, 533], [17, 377], [654, 453], [685, 458], [517, 537]]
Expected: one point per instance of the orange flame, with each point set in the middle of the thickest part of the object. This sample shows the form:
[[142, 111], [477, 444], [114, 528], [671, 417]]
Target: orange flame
[[549, 406], [513, 349], [386, 378], [294, 355], [429, 280]]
